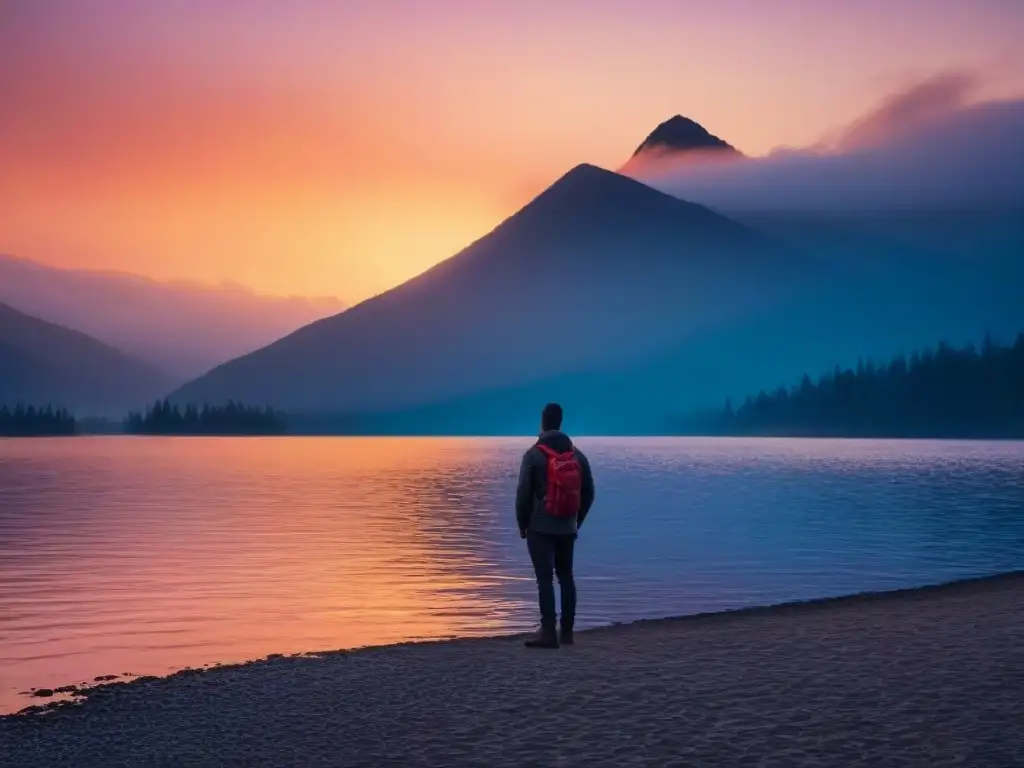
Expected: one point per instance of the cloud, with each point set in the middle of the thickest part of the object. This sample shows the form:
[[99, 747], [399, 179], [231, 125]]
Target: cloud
[[925, 147], [903, 113]]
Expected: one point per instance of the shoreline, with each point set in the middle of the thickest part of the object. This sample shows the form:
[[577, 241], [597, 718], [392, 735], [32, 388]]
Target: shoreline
[[105, 684], [925, 675]]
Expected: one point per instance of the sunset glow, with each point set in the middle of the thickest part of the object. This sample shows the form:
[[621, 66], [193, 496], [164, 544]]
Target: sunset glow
[[340, 148]]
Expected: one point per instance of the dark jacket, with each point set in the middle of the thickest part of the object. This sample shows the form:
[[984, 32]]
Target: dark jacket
[[533, 485]]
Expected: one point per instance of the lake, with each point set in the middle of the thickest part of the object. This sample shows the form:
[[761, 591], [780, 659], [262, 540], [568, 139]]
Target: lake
[[146, 555]]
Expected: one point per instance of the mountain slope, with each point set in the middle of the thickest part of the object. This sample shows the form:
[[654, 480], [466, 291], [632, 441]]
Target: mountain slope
[[44, 363], [597, 269], [182, 328]]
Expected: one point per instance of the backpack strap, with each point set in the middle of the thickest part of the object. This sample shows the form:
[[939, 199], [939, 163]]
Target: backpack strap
[[551, 452]]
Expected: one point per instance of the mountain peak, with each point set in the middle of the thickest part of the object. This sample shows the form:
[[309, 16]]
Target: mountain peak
[[587, 173], [681, 134], [588, 188], [586, 168]]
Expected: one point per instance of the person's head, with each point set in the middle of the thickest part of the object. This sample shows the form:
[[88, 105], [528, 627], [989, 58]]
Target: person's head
[[551, 417]]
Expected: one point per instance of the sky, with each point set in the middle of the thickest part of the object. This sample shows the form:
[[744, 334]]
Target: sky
[[334, 147]]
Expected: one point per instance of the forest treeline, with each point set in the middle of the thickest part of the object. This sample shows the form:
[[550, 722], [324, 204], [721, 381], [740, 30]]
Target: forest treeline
[[161, 418], [164, 418], [967, 392], [30, 421]]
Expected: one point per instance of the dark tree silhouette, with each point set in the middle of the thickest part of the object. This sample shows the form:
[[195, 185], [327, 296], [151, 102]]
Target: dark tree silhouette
[[163, 418], [30, 421], [941, 392]]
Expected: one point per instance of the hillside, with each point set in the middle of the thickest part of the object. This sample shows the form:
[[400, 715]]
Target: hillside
[[597, 270], [43, 363], [184, 329]]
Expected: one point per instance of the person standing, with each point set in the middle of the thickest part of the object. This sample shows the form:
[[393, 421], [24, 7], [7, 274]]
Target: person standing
[[553, 497]]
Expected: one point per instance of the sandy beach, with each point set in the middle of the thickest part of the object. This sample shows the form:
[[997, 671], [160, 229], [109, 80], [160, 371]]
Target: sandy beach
[[928, 677]]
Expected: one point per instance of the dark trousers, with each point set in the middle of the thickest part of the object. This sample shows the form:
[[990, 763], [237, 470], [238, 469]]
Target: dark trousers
[[552, 553]]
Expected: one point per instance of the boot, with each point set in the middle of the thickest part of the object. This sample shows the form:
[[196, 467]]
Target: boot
[[566, 637], [545, 638]]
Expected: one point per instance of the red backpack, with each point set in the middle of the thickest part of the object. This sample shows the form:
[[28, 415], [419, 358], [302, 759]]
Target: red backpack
[[565, 481]]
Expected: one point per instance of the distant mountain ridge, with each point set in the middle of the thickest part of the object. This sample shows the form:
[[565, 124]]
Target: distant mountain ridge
[[42, 363], [597, 269], [183, 329]]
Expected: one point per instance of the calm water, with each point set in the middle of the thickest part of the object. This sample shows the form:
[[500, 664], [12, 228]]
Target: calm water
[[145, 555]]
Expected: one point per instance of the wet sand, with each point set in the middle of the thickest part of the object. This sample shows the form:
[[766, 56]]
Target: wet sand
[[928, 677]]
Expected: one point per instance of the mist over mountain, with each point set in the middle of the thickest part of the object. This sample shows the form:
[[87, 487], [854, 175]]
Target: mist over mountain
[[926, 189], [182, 328], [597, 270], [926, 148], [43, 363]]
